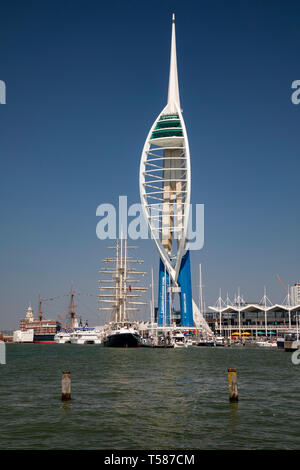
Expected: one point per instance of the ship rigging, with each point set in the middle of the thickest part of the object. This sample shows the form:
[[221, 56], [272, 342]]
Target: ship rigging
[[120, 296]]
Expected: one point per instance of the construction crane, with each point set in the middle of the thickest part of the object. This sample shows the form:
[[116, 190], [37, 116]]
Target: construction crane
[[282, 284], [65, 326], [72, 311]]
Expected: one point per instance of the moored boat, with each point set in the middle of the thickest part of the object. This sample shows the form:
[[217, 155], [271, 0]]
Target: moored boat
[[220, 341], [206, 342], [280, 342], [44, 337], [190, 343], [26, 336], [123, 335], [291, 341], [63, 336], [266, 344], [178, 340], [36, 330], [120, 296], [85, 336]]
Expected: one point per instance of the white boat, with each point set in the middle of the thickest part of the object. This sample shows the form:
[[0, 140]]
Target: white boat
[[206, 341], [63, 337], [189, 343], [220, 341], [291, 341], [86, 336], [266, 344], [179, 340], [26, 336], [294, 346]]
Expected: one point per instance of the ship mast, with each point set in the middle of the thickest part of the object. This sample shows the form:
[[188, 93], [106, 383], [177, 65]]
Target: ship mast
[[40, 309], [72, 311], [119, 293], [40, 312]]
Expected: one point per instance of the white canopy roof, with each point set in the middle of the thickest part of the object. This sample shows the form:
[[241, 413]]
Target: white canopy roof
[[256, 307]]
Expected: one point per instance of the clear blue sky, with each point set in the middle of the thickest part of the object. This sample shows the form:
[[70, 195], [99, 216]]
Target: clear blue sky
[[85, 81]]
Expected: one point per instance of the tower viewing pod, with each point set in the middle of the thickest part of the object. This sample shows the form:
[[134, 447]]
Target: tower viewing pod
[[165, 185]]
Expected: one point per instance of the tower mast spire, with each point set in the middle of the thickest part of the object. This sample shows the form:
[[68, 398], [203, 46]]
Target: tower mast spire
[[173, 93]]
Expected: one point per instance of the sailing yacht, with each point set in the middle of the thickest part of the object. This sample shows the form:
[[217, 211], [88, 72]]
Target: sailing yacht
[[121, 293]]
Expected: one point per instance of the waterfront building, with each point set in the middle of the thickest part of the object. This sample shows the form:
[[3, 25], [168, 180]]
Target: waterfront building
[[261, 317], [295, 294]]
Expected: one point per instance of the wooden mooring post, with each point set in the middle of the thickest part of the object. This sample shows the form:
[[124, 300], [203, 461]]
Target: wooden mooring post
[[66, 386], [233, 388], [2, 352]]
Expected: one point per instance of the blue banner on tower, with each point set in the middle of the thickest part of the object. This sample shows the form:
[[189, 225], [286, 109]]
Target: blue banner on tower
[[163, 296], [184, 280]]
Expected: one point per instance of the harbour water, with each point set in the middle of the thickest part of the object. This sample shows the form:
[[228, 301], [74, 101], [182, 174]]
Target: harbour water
[[148, 399]]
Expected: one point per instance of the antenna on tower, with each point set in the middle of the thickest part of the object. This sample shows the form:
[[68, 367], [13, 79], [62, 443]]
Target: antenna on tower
[[173, 92]]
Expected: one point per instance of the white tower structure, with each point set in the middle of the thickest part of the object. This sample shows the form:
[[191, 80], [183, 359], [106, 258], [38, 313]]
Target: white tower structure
[[165, 186], [29, 313], [295, 294], [165, 176]]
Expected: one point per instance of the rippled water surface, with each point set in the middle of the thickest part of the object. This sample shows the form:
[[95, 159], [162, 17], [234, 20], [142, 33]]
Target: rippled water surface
[[148, 399]]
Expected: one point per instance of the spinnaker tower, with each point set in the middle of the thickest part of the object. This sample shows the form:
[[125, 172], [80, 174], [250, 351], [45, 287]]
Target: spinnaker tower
[[165, 187]]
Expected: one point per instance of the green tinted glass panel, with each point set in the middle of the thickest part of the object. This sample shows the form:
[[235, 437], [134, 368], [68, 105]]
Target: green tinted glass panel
[[165, 124], [169, 116], [166, 133]]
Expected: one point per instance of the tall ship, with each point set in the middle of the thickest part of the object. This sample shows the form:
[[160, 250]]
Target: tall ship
[[36, 330], [120, 297]]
